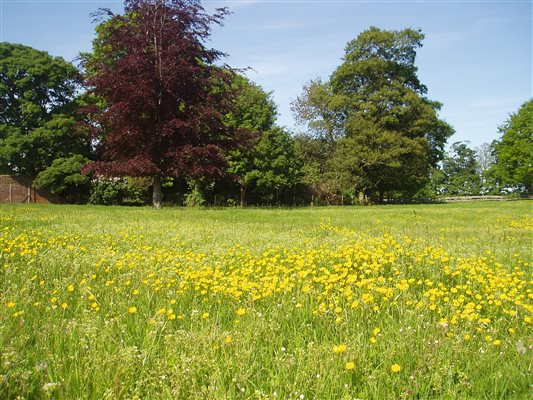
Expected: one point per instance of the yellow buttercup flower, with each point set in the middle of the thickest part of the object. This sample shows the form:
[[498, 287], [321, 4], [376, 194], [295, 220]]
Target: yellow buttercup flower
[[341, 348]]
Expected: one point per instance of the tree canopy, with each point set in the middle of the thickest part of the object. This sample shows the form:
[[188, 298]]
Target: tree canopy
[[37, 101]]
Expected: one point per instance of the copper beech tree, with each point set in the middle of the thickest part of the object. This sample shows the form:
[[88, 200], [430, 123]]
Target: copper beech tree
[[160, 97]]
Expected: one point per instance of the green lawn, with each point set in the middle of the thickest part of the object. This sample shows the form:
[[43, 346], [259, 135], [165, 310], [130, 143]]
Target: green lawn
[[425, 301]]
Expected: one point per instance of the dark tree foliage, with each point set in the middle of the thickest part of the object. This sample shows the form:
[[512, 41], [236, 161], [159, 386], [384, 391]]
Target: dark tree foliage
[[163, 99], [64, 178], [37, 99], [34, 86]]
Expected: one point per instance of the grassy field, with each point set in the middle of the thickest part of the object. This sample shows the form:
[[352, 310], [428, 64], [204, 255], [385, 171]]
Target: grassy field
[[391, 302]]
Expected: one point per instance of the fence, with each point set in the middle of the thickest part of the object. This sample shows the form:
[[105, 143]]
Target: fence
[[473, 198]]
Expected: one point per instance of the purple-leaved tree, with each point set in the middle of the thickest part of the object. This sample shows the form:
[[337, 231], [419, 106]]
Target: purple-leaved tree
[[160, 98]]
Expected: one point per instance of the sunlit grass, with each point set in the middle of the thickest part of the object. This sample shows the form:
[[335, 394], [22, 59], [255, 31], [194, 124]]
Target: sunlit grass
[[378, 302]]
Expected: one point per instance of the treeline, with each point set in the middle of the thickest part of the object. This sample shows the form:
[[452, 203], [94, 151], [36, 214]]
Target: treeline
[[150, 115]]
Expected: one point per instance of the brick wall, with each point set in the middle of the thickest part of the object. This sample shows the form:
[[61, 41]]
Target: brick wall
[[19, 189]]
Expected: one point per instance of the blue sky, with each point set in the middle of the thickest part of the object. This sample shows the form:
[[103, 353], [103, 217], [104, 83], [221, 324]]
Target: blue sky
[[476, 59]]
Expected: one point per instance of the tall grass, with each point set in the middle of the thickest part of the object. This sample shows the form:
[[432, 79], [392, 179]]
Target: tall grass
[[372, 303]]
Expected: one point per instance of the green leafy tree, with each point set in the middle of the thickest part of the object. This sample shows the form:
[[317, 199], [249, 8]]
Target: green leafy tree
[[514, 151], [393, 127], [271, 166], [64, 179], [380, 161], [276, 165], [271, 162], [378, 104], [461, 171], [37, 98], [315, 109], [255, 113], [315, 170], [254, 110], [123, 190], [436, 185]]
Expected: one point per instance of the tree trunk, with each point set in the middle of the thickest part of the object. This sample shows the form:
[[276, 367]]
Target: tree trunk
[[243, 192], [363, 197], [157, 194]]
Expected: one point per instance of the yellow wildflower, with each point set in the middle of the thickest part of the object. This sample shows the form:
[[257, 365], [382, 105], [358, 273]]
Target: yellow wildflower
[[341, 348]]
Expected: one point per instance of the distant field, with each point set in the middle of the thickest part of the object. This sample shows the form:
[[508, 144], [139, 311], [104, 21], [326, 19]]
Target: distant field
[[389, 302]]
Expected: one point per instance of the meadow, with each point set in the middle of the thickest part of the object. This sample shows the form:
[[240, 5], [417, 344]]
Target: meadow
[[388, 302]]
